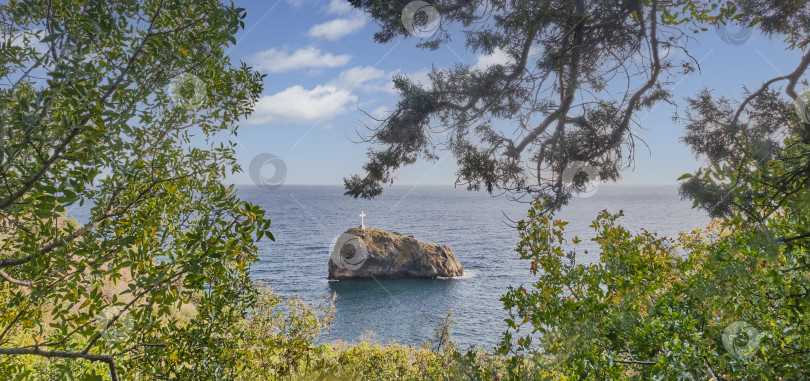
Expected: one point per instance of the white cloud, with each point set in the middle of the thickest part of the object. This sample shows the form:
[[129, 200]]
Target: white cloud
[[335, 29], [277, 61], [27, 39], [340, 7], [296, 105], [500, 57], [497, 57], [358, 76], [381, 112], [419, 77]]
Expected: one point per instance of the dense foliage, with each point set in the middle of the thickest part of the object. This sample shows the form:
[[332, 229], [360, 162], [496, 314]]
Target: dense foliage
[[727, 303], [279, 343], [723, 303], [559, 113], [117, 104], [112, 104]]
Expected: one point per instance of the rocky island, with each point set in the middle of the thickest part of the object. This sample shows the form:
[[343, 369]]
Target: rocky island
[[371, 252]]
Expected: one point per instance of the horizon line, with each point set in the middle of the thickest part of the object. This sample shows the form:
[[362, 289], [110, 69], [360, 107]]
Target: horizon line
[[452, 185]]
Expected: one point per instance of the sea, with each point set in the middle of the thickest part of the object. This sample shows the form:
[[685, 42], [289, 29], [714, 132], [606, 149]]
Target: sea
[[478, 227]]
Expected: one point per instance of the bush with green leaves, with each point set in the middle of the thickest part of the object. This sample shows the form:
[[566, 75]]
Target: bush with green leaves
[[726, 303], [730, 302], [121, 105], [438, 358], [279, 338]]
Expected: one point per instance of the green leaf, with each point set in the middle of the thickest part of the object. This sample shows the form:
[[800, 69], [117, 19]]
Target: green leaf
[[50, 37]]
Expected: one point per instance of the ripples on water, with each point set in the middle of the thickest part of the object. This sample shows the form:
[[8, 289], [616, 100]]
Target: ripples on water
[[476, 226], [306, 219]]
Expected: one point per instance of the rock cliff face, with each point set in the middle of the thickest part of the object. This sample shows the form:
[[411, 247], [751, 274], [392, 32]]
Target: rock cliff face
[[372, 252]]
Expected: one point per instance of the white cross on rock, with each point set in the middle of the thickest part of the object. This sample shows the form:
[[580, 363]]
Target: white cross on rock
[[362, 214]]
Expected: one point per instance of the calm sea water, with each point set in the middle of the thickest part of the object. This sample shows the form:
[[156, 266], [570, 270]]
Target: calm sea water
[[476, 226]]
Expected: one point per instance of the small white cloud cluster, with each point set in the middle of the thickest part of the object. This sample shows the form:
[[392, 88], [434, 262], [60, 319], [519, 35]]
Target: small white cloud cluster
[[497, 57], [279, 60], [297, 105], [350, 20]]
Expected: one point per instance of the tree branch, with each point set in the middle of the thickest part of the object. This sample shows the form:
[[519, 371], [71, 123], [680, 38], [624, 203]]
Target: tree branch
[[18, 282], [27, 184], [66, 355]]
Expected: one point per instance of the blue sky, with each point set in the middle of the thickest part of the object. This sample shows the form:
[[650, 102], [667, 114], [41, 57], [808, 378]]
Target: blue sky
[[322, 66]]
